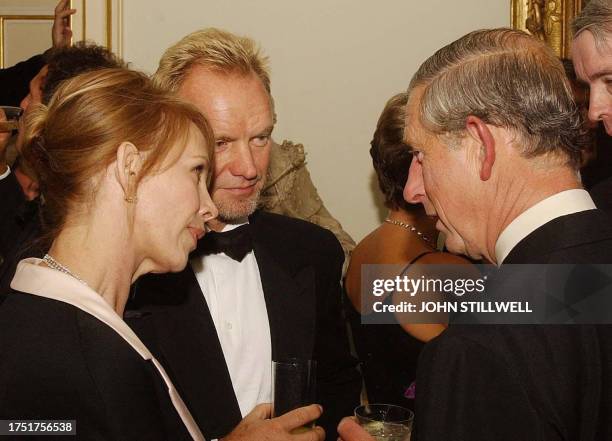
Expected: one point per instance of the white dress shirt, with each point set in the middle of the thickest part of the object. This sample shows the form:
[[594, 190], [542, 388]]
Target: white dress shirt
[[33, 278], [557, 205], [235, 298]]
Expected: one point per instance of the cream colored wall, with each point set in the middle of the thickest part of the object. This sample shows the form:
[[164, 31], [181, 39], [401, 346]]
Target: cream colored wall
[[334, 65]]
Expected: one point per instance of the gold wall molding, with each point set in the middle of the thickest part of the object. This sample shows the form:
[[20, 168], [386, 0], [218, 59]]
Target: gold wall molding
[[100, 21], [548, 20], [104, 23], [109, 24], [5, 18]]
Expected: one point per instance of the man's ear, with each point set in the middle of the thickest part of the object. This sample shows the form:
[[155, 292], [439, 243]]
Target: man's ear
[[29, 186], [32, 190], [480, 132], [129, 164]]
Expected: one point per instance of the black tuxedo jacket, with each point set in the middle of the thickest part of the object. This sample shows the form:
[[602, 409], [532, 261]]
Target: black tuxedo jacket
[[300, 265], [602, 195], [12, 200], [524, 382], [19, 228], [60, 363]]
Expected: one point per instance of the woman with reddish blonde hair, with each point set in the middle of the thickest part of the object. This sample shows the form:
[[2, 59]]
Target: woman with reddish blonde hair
[[123, 172]]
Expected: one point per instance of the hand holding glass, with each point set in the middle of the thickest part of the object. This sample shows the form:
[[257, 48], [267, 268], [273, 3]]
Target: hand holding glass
[[293, 386], [9, 118], [385, 422]]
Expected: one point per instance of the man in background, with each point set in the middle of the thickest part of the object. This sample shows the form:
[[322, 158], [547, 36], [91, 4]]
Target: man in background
[[14, 86], [15, 188], [19, 221], [14, 80], [592, 57]]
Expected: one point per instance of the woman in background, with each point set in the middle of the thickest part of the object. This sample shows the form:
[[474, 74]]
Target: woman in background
[[389, 353], [123, 174]]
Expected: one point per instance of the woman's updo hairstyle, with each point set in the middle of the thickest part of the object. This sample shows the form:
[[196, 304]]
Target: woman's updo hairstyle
[[76, 136], [390, 156]]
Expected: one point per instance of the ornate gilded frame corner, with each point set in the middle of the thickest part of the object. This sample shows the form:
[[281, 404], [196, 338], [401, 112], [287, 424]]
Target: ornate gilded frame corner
[[548, 20]]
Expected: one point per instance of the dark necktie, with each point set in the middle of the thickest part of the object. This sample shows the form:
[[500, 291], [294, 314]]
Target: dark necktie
[[235, 243]]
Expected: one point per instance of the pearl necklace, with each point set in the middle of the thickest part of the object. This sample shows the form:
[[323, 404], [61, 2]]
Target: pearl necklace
[[52, 263], [411, 228]]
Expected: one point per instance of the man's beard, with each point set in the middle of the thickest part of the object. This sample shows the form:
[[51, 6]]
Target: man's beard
[[231, 211]]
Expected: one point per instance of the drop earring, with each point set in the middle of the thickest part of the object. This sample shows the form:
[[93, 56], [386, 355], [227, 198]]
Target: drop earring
[[130, 194]]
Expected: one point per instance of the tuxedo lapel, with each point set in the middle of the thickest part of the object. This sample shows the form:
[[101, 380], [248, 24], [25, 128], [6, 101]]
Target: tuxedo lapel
[[185, 338], [563, 233], [186, 335], [290, 302]]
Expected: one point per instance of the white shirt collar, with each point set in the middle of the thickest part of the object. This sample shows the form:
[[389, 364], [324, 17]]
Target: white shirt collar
[[557, 205], [239, 223], [6, 173], [33, 278]]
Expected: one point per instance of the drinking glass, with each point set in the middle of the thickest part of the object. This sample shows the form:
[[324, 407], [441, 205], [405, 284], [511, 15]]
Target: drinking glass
[[293, 386], [10, 120], [385, 422]]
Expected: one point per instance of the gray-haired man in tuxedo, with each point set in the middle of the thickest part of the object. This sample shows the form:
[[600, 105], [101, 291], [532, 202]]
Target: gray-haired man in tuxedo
[[497, 141]]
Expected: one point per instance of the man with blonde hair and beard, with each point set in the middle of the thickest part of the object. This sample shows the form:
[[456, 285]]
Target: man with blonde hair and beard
[[287, 188], [263, 286], [497, 141]]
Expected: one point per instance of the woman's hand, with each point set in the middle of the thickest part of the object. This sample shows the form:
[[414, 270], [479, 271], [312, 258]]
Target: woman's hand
[[257, 427]]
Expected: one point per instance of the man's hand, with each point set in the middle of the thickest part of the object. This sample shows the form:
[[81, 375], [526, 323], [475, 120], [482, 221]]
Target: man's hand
[[349, 430], [257, 427], [61, 32]]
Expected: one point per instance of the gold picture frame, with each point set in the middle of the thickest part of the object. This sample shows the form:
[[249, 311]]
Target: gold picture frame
[[548, 20]]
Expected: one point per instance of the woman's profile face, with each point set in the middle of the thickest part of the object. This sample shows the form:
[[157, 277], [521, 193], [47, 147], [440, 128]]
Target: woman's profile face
[[173, 206]]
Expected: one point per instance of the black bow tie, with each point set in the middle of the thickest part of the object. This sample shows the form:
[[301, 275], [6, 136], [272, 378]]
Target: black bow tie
[[236, 243]]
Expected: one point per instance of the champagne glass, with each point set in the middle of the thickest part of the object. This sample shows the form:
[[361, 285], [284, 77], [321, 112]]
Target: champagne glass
[[385, 422], [293, 386], [10, 120]]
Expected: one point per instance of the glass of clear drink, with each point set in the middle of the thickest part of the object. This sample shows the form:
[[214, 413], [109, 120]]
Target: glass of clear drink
[[9, 118], [385, 422], [293, 386]]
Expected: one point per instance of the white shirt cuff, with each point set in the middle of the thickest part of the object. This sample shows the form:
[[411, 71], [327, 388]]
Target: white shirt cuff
[[6, 173]]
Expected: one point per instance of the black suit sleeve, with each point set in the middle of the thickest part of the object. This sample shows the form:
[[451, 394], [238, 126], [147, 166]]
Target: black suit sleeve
[[338, 381], [12, 197], [15, 80], [464, 392]]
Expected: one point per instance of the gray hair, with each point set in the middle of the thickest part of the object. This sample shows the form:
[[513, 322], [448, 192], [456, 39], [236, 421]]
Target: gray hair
[[596, 17], [508, 79]]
